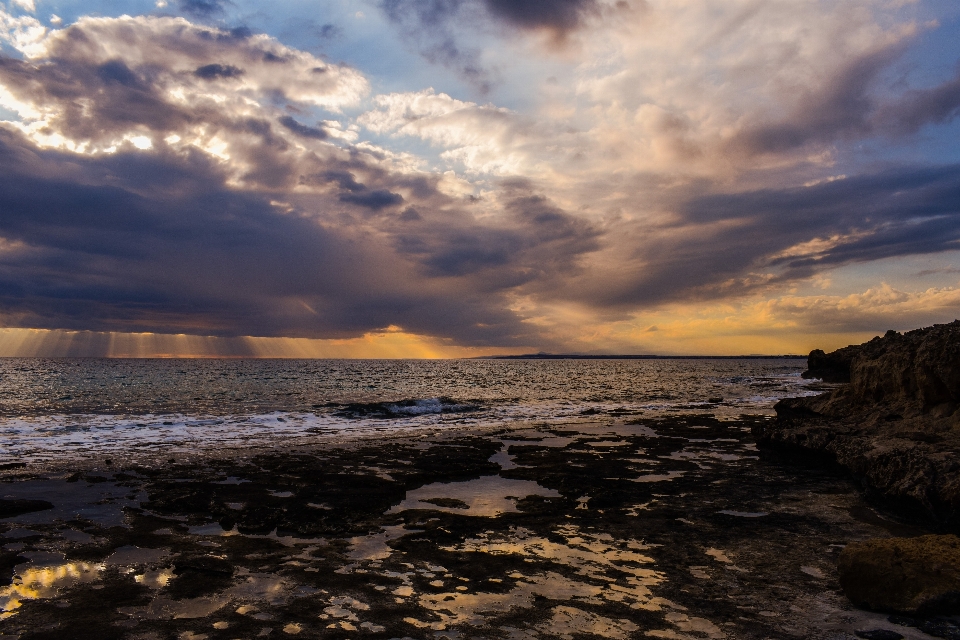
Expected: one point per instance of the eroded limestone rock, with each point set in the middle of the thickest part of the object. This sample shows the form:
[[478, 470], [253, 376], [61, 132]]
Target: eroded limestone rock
[[894, 422]]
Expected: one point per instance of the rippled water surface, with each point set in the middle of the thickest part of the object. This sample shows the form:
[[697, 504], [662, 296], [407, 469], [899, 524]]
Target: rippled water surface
[[67, 406]]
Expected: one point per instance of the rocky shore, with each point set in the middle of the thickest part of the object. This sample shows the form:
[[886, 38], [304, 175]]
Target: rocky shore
[[608, 527], [892, 420]]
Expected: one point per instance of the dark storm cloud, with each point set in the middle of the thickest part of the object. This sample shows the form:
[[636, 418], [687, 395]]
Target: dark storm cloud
[[344, 179], [320, 241], [137, 242], [734, 243]]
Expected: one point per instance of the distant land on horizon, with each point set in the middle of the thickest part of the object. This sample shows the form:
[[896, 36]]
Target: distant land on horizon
[[575, 356]]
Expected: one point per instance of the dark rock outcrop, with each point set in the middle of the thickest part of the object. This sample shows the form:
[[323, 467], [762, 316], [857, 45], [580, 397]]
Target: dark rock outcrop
[[903, 575], [830, 367], [894, 422]]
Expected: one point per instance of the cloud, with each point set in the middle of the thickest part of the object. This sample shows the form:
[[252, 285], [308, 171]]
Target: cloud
[[930, 272], [202, 8], [840, 108], [169, 65], [682, 90], [212, 71], [375, 199], [446, 32], [26, 5], [770, 324], [917, 108], [479, 138], [155, 197], [150, 242], [850, 108], [883, 306], [432, 26], [898, 212], [302, 130], [559, 16], [166, 176], [730, 246], [104, 83]]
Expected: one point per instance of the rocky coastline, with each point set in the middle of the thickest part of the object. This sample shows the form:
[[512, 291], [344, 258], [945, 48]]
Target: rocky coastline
[[892, 419], [675, 527]]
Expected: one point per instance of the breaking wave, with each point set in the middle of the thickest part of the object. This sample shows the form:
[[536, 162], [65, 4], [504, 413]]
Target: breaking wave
[[404, 408]]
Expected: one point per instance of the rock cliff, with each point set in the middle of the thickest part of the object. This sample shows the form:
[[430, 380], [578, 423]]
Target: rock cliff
[[894, 419]]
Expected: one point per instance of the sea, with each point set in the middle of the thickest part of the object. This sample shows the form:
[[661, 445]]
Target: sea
[[58, 410]]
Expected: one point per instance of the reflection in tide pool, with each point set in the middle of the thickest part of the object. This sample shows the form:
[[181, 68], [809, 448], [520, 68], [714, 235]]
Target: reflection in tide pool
[[488, 496], [155, 579], [603, 570], [45, 582]]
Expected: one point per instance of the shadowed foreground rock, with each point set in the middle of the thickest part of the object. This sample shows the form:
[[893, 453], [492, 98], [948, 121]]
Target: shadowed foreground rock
[[10, 508], [903, 575], [894, 421]]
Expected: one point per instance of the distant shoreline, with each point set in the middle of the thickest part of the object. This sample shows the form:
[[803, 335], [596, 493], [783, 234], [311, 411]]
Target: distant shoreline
[[570, 356]]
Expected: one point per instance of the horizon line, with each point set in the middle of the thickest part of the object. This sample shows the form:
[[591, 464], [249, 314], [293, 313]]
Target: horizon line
[[531, 356]]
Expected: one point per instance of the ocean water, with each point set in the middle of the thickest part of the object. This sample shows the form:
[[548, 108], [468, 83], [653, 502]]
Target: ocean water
[[54, 409]]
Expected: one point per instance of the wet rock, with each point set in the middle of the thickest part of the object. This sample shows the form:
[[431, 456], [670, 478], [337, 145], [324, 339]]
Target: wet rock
[[199, 575], [903, 575], [895, 423], [16, 507], [450, 503], [206, 564], [7, 563], [940, 628]]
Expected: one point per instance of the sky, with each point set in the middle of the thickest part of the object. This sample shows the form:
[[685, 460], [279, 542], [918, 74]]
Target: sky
[[450, 178]]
